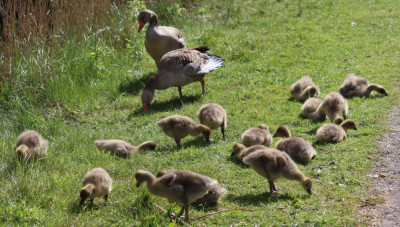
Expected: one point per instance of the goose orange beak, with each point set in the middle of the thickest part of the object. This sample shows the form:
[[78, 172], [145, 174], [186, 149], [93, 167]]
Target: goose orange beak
[[141, 24], [145, 106]]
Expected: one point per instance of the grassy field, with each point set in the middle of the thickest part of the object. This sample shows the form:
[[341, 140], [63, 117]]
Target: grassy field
[[87, 89]]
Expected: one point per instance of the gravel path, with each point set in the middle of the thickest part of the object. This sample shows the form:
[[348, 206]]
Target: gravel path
[[386, 176]]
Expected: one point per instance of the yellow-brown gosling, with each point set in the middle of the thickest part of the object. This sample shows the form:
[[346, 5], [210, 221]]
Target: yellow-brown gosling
[[178, 127], [335, 133], [273, 164], [213, 115], [181, 186], [296, 147], [122, 148], [335, 107], [304, 89], [254, 136], [30, 145], [96, 183], [241, 151], [358, 86], [309, 109]]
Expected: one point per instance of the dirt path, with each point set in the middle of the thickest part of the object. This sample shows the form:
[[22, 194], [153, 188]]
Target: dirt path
[[386, 176]]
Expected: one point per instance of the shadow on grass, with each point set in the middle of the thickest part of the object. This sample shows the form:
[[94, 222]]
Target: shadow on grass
[[134, 85], [76, 208], [236, 161], [313, 131], [197, 142], [265, 197], [171, 104]]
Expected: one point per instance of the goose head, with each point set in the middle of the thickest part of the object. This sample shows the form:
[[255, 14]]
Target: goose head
[[144, 17], [148, 93]]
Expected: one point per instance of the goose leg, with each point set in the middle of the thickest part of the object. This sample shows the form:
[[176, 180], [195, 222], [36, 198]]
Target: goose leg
[[187, 212], [181, 212], [203, 91], [272, 188], [178, 142], [180, 92]]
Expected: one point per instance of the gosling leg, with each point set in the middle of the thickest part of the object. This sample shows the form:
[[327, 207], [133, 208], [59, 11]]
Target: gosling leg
[[203, 91], [178, 142], [180, 92], [223, 131]]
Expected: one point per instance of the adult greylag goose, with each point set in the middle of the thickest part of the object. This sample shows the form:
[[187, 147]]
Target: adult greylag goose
[[296, 147], [241, 151], [273, 164], [122, 148], [178, 68], [334, 133], [96, 183], [358, 86], [181, 186], [213, 115], [159, 39], [178, 127], [304, 89], [335, 107], [31, 145], [254, 136], [309, 109]]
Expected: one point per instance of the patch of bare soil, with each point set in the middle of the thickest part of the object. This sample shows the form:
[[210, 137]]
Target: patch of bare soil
[[383, 206]]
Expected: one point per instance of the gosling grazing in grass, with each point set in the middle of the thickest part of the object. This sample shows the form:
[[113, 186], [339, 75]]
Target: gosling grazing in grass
[[309, 109], [304, 89], [335, 107], [178, 127], [31, 145], [96, 183], [212, 197], [254, 136], [213, 115], [181, 186], [358, 86], [273, 164], [241, 151], [122, 148], [296, 147], [334, 133]]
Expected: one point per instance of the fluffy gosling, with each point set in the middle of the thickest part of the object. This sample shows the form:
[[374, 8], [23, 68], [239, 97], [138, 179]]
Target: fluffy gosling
[[213, 115], [358, 86], [122, 148], [334, 133], [304, 89], [335, 107], [254, 136], [273, 164], [30, 145], [178, 127], [309, 109], [296, 147], [96, 183]]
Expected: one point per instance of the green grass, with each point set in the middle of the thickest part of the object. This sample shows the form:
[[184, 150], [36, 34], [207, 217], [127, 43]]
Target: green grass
[[87, 89]]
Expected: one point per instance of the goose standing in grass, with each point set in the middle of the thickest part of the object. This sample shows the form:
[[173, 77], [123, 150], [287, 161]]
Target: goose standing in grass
[[96, 183], [309, 109], [358, 86], [335, 107], [304, 89], [181, 186], [273, 164], [296, 147], [178, 127], [213, 115], [254, 136], [159, 39], [178, 68], [241, 151], [30, 145], [212, 197], [334, 133], [122, 148]]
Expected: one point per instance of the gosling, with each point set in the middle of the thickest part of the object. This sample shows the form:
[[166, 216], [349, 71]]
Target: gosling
[[335, 107], [181, 186], [31, 145], [358, 86], [122, 148], [178, 127], [212, 197], [213, 115], [334, 133], [309, 110], [304, 89], [296, 147], [254, 136], [96, 183], [241, 151], [273, 164]]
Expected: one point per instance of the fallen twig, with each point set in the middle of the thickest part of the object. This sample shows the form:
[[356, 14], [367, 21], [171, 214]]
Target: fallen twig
[[165, 211]]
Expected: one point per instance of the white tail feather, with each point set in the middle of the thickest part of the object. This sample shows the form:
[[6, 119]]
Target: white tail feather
[[213, 63]]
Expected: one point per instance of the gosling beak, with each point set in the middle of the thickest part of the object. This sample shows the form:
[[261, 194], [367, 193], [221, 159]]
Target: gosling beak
[[145, 106], [309, 191], [141, 24], [137, 185], [274, 136]]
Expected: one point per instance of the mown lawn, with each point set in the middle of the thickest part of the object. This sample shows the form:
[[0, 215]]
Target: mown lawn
[[89, 89]]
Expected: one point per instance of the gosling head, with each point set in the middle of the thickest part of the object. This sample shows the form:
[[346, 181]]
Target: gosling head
[[144, 17], [263, 126], [86, 192], [349, 124], [22, 151], [237, 148], [141, 176], [307, 185], [282, 131], [338, 120]]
